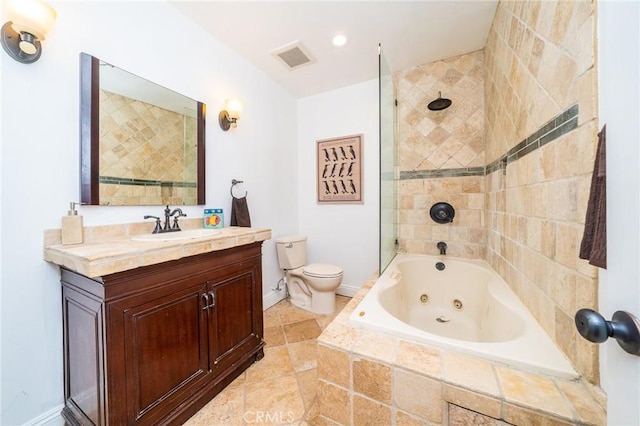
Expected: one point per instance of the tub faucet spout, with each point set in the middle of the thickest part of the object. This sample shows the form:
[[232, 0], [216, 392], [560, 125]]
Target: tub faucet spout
[[442, 246]]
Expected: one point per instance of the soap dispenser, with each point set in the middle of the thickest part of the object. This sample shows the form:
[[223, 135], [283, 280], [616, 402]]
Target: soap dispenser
[[72, 232]]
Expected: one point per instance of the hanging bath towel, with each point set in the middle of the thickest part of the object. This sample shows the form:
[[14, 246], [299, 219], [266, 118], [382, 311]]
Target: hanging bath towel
[[240, 212], [594, 240]]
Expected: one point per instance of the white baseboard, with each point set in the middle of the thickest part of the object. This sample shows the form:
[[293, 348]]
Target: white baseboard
[[347, 290], [273, 297], [50, 418]]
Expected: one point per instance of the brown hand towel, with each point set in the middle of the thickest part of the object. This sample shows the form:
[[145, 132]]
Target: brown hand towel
[[240, 212], [594, 239]]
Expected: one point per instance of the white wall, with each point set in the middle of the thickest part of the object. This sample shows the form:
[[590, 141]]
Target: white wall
[[40, 157], [619, 109], [1, 239], [341, 234]]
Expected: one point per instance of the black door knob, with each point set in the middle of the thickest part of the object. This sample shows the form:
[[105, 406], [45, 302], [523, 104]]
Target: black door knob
[[624, 327]]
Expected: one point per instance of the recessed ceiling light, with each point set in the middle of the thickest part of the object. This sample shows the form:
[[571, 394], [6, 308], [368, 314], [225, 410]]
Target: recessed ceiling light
[[339, 40]]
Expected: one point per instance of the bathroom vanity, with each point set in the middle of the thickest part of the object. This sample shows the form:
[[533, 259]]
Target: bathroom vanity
[[154, 343]]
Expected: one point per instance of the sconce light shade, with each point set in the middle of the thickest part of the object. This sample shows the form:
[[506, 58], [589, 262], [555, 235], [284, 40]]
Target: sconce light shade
[[30, 21], [229, 116]]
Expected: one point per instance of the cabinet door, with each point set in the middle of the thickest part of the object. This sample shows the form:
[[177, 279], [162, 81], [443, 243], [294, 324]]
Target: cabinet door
[[166, 356], [83, 360], [236, 332]]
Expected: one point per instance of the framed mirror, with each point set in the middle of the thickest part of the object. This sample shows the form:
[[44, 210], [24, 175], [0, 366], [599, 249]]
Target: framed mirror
[[140, 143]]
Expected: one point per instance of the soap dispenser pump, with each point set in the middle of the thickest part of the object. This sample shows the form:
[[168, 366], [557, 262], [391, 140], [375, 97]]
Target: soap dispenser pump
[[72, 231]]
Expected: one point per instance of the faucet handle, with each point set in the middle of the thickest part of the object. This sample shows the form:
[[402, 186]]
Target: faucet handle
[[158, 228], [175, 224]]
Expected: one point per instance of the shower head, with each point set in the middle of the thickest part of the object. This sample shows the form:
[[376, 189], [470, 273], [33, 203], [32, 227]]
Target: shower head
[[440, 103]]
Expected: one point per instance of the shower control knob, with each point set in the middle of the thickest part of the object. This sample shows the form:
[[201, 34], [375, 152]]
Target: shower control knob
[[624, 327]]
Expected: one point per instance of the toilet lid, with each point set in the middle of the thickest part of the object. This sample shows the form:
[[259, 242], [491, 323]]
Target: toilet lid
[[321, 270]]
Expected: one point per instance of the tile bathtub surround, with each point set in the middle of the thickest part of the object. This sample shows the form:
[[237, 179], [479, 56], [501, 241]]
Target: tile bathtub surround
[[417, 384], [282, 387], [441, 155], [452, 138], [464, 189], [540, 81], [552, 130], [419, 234], [539, 133]]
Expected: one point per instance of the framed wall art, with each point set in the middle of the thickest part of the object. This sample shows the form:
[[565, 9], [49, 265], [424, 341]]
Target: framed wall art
[[339, 170]]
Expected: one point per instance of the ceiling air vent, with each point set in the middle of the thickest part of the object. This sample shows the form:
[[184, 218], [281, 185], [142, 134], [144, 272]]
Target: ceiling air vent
[[293, 55]]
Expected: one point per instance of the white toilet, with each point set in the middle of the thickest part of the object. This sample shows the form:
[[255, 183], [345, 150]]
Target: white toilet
[[311, 287]]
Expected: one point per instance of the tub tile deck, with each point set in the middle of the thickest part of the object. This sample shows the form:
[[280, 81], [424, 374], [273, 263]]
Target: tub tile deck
[[420, 359], [376, 346], [425, 380], [473, 373]]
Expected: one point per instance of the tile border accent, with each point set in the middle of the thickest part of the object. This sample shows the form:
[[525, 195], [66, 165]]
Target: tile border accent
[[144, 182], [440, 173], [561, 124]]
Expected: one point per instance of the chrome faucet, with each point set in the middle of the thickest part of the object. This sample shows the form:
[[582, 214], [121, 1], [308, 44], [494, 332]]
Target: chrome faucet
[[442, 246], [168, 214]]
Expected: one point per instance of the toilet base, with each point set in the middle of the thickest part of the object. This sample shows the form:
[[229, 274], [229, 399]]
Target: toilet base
[[326, 306], [318, 303], [323, 303], [297, 296]]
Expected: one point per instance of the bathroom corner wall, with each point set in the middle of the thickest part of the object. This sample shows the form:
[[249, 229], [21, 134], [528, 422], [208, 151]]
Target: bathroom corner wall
[[441, 155], [541, 126]]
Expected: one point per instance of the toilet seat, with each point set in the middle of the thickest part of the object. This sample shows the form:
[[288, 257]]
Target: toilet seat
[[322, 270]]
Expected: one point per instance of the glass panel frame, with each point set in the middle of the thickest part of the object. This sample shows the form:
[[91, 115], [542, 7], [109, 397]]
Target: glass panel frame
[[388, 243]]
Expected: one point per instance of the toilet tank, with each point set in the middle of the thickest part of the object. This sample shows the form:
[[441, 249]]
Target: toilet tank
[[292, 251]]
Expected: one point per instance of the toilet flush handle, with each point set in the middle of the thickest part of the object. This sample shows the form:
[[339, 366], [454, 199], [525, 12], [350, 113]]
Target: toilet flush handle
[[289, 245]]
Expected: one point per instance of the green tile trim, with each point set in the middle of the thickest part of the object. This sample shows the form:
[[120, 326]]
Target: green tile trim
[[442, 173], [144, 182]]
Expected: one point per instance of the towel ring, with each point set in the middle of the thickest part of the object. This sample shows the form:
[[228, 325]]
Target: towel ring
[[234, 182]]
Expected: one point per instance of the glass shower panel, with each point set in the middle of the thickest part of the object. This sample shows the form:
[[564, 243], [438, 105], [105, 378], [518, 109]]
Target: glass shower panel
[[388, 182]]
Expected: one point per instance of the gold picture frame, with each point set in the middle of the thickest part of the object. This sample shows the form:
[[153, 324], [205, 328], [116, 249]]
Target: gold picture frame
[[339, 170]]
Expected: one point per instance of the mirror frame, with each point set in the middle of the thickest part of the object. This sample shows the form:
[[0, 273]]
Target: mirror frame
[[90, 133]]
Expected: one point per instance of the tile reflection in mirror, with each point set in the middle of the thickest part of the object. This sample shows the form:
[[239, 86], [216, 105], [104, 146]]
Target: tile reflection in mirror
[[142, 144]]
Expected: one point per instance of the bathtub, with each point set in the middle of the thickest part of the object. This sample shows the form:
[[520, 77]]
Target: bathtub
[[461, 305]]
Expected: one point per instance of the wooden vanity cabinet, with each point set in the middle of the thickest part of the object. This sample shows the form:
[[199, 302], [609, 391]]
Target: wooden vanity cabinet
[[154, 344]]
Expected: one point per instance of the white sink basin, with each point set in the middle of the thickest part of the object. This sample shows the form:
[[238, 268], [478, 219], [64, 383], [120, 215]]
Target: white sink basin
[[178, 235]]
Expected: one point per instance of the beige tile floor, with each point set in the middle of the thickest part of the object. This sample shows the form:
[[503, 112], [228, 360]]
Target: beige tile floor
[[280, 389]]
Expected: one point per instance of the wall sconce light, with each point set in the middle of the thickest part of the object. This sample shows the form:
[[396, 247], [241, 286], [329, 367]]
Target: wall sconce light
[[30, 21], [230, 115]]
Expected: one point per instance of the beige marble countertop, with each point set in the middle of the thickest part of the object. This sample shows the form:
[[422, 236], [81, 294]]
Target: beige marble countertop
[[109, 249]]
